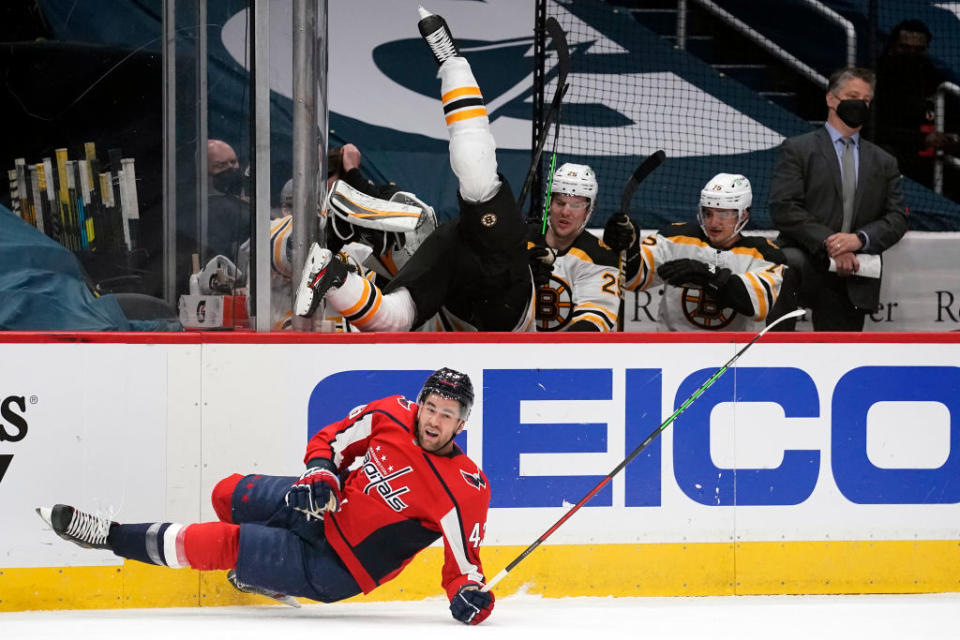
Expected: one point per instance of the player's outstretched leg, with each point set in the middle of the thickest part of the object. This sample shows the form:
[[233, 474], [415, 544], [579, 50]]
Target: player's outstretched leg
[[322, 271], [205, 546], [435, 31]]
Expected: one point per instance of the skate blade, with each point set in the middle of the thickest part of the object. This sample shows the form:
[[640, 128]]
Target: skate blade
[[290, 601]]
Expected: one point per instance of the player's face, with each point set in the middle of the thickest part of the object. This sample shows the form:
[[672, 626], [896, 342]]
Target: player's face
[[438, 421], [567, 214], [719, 225]]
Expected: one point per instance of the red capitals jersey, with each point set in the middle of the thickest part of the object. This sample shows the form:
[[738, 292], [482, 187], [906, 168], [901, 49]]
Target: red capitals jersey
[[401, 498]]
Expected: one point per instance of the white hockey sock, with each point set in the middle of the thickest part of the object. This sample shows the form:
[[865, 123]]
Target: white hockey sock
[[472, 147], [364, 306], [462, 101]]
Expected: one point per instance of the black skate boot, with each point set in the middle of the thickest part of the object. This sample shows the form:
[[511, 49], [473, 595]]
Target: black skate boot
[[435, 31], [249, 588], [83, 529], [321, 272]]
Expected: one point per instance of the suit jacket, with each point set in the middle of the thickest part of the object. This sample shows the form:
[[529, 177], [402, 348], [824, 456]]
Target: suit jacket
[[806, 203]]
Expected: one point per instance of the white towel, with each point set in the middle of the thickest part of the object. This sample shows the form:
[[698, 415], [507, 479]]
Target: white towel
[[869, 265]]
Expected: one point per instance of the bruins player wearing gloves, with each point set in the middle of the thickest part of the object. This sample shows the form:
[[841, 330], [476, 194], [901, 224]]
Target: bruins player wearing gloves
[[471, 273], [577, 276], [715, 277]]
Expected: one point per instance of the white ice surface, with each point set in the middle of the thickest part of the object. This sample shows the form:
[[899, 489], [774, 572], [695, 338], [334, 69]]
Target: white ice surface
[[522, 617]]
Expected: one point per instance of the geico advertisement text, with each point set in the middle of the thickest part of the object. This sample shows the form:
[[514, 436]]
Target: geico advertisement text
[[861, 396]]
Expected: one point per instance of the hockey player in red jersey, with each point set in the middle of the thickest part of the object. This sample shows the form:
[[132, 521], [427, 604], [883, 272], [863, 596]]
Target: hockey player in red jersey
[[332, 533]]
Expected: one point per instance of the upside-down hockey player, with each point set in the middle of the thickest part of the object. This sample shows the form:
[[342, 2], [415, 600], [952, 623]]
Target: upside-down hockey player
[[471, 273], [331, 534]]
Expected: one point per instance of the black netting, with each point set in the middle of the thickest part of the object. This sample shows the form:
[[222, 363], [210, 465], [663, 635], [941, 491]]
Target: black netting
[[723, 102]]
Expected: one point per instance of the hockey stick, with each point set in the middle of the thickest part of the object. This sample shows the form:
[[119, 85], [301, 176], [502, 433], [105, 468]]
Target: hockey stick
[[553, 167], [633, 454], [639, 174], [559, 40]]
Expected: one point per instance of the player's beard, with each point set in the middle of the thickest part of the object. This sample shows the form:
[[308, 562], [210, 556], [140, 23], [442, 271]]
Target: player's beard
[[437, 448]]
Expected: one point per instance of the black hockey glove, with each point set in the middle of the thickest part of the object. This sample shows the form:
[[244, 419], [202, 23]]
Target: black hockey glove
[[619, 233], [471, 605], [316, 491], [541, 260], [693, 273], [685, 273]]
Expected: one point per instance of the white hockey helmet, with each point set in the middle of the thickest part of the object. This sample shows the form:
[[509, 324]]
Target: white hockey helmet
[[727, 191], [576, 180]]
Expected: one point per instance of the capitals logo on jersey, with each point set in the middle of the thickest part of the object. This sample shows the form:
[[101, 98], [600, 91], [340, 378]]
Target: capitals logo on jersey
[[381, 474], [475, 480]]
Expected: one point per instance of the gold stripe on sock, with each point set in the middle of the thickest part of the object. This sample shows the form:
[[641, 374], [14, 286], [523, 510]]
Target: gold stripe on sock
[[466, 114], [459, 93], [364, 298]]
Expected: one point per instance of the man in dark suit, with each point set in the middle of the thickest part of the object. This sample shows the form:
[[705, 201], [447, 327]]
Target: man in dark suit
[[835, 197]]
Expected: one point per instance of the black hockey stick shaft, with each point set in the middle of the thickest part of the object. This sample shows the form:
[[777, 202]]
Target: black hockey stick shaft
[[633, 454], [553, 167], [559, 40], [640, 174], [552, 116], [644, 169]]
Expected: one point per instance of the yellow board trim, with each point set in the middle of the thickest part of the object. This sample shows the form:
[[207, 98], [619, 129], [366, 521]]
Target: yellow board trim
[[749, 568]]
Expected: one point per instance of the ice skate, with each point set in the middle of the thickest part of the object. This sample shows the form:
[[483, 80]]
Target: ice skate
[[248, 588], [83, 529], [321, 272], [435, 31]]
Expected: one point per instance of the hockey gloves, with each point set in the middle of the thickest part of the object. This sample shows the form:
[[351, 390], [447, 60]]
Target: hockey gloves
[[316, 491], [693, 273], [471, 605], [619, 233], [541, 260]]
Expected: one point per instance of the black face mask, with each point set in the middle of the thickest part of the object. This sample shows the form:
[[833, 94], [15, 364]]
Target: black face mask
[[230, 182], [853, 113]]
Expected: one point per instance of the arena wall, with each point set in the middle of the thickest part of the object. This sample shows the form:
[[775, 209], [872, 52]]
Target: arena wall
[[821, 463]]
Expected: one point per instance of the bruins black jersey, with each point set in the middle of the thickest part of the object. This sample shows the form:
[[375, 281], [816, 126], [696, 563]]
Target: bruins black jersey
[[472, 273]]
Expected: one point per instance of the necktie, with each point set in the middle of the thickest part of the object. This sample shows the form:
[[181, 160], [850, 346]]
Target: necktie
[[849, 175]]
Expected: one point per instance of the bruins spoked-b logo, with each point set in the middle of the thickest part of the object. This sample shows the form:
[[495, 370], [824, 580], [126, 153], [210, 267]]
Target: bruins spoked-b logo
[[554, 305], [703, 311], [488, 219]]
